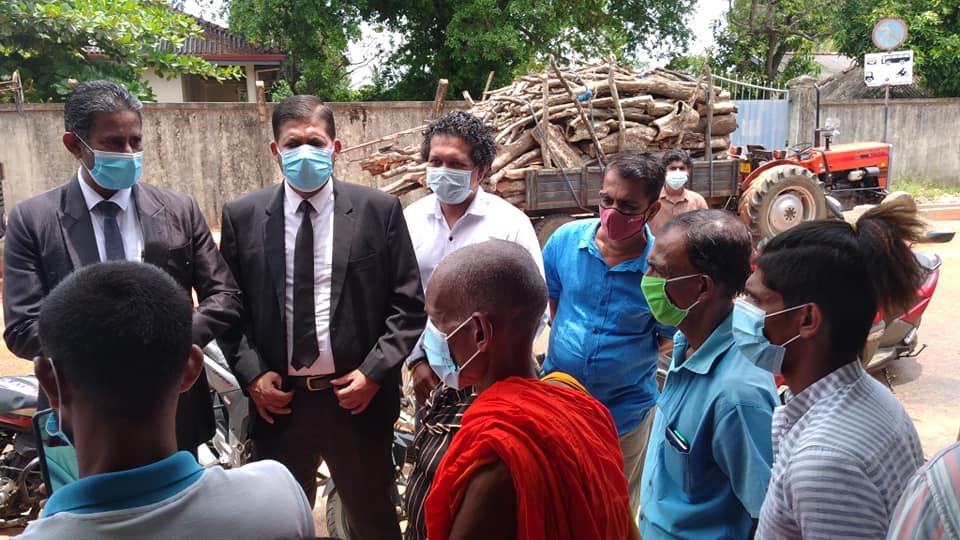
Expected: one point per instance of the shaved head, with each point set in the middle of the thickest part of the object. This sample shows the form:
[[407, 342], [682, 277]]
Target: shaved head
[[495, 277]]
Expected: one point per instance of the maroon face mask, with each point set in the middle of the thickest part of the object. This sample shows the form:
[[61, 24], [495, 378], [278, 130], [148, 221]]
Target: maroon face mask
[[620, 226]]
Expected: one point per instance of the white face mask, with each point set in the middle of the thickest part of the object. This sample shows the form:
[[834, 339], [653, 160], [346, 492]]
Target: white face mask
[[452, 186], [676, 179]]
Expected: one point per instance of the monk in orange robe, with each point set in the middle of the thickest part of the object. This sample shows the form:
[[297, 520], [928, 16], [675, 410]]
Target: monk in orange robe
[[532, 460]]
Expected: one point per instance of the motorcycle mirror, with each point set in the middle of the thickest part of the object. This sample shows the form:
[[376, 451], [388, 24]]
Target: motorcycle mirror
[[938, 237], [835, 207]]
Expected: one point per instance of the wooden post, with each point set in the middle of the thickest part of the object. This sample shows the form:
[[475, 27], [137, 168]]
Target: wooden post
[[616, 102], [583, 115], [439, 99], [545, 123], [261, 101], [486, 87], [708, 139]]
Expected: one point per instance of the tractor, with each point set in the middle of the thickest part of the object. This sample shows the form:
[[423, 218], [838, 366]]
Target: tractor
[[781, 188]]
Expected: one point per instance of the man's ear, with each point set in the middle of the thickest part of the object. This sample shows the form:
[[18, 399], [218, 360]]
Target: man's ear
[[483, 331], [73, 144], [482, 173], [811, 320], [337, 147], [48, 381], [653, 210], [192, 370], [275, 150]]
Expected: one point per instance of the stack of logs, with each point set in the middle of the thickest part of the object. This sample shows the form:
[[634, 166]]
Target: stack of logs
[[545, 121]]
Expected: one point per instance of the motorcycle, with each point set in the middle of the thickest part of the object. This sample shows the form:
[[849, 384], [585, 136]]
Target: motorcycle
[[20, 476]]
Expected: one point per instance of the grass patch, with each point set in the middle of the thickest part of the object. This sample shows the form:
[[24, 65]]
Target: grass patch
[[924, 187]]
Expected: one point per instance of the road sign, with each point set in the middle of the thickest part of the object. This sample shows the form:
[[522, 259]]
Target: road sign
[[888, 68], [890, 33]]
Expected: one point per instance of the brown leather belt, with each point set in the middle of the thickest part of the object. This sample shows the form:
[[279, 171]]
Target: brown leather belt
[[312, 383]]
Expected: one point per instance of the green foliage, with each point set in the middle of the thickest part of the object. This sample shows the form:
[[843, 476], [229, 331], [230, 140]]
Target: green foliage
[[463, 41], [924, 187], [280, 91], [313, 35], [934, 36], [52, 41], [759, 34]]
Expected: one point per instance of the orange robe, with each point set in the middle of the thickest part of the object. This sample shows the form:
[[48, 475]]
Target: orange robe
[[564, 457]]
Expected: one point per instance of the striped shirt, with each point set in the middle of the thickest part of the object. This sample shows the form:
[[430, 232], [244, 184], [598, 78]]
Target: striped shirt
[[844, 449], [930, 506], [441, 421]]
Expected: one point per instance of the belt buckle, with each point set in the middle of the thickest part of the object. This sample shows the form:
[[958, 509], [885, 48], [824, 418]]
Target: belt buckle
[[324, 383]]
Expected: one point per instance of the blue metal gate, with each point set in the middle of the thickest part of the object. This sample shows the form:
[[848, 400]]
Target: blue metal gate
[[762, 113]]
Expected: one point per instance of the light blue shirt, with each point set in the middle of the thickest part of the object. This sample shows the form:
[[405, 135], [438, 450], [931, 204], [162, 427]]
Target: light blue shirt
[[603, 333], [721, 405]]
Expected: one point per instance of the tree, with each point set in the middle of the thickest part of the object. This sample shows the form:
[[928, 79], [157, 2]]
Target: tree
[[760, 33], [463, 41], [52, 41], [313, 35], [934, 36]]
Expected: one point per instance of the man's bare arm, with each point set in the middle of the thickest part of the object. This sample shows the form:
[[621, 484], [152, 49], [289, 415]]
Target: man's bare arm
[[489, 507]]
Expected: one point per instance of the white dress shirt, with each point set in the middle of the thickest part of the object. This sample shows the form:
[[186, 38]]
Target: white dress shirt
[[127, 220], [322, 220], [487, 217]]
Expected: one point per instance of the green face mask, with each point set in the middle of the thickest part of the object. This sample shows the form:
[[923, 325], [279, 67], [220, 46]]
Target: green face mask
[[663, 310]]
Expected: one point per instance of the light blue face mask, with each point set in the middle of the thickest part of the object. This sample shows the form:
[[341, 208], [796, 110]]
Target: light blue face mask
[[439, 356], [53, 421], [748, 322], [452, 186], [114, 170], [307, 168]]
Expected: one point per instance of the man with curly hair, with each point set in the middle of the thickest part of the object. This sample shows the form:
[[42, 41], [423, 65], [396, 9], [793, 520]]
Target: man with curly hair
[[459, 151]]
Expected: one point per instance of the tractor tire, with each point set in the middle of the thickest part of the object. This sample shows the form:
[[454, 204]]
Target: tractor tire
[[548, 225], [781, 198]]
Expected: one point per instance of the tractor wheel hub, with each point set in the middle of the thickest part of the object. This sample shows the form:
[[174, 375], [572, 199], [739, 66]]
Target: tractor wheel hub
[[786, 212]]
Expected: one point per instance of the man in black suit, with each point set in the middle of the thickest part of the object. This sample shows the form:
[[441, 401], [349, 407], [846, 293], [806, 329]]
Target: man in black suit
[[332, 306], [102, 214]]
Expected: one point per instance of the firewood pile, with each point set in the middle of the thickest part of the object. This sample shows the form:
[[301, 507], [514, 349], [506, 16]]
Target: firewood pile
[[577, 117]]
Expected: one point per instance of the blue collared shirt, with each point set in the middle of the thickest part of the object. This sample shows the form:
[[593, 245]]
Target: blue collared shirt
[[721, 406], [126, 489], [603, 333]]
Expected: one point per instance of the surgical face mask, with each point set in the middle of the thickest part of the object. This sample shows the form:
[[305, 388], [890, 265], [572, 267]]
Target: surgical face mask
[[620, 226], [54, 420], [676, 179], [452, 186], [439, 356], [748, 322], [307, 167], [114, 170], [663, 310]]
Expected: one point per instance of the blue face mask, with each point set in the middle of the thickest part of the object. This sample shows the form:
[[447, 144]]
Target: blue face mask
[[452, 186], [307, 167], [114, 170], [53, 423], [439, 356], [748, 323]]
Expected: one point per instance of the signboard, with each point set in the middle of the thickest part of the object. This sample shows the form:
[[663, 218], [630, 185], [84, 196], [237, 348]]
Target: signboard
[[890, 33], [888, 68]]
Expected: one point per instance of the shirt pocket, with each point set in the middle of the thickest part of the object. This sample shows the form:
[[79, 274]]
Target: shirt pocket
[[677, 465]]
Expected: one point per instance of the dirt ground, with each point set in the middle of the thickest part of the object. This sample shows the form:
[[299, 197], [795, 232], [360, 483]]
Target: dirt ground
[[926, 385]]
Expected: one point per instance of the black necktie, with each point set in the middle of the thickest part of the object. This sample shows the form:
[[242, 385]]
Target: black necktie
[[113, 241], [305, 350]]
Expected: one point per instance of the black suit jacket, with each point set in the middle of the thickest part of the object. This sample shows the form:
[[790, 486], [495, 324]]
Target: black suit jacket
[[376, 301], [51, 235]]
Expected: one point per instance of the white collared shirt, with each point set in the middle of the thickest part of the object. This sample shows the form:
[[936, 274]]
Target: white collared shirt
[[127, 219], [322, 220], [487, 217]]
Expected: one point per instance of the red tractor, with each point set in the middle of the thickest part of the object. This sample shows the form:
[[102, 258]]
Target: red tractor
[[781, 188]]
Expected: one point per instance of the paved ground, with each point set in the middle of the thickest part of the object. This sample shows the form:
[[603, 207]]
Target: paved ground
[[927, 385]]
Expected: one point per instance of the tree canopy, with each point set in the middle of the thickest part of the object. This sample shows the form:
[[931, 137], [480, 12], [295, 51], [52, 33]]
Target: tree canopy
[[52, 41]]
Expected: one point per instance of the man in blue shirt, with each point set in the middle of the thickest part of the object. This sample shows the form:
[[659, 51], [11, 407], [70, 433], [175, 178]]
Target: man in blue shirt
[[602, 332], [710, 452]]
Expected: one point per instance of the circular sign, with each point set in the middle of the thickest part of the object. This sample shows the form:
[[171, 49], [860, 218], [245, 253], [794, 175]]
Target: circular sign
[[889, 33]]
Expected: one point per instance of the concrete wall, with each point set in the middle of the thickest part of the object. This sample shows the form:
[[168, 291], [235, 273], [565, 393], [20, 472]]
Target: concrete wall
[[166, 91], [214, 151], [925, 133]]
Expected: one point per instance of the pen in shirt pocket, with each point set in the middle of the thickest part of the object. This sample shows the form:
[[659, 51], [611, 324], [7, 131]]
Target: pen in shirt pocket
[[677, 440]]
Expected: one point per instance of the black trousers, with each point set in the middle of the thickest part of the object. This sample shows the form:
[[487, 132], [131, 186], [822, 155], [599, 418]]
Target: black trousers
[[357, 450]]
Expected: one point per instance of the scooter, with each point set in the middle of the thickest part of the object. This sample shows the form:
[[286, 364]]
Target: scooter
[[20, 476]]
